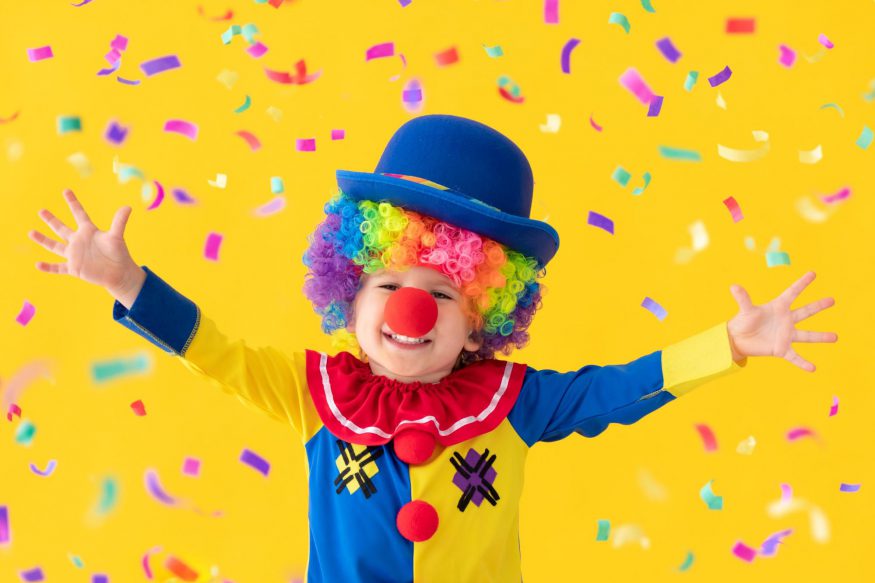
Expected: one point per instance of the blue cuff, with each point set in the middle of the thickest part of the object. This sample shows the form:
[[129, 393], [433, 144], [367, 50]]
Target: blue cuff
[[161, 315]]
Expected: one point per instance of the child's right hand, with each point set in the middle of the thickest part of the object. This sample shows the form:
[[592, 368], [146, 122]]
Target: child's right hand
[[95, 256]]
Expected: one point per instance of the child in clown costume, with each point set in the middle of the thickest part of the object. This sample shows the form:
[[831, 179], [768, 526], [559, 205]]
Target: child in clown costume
[[426, 268]]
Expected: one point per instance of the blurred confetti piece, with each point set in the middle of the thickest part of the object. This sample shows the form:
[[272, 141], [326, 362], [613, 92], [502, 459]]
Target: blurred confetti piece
[[99, 579], [620, 19], [24, 432], [740, 25], [655, 106], [800, 432], [600, 221], [300, 77], [713, 501], [746, 445], [159, 194], [551, 11], [75, 560], [787, 56], [721, 77], [271, 207], [552, 125], [250, 139], [774, 258], [654, 308], [138, 408], [191, 467], [691, 79], [338, 134], [160, 65], [700, 235], [822, 39], [380, 51], [276, 185], [80, 162], [153, 486], [734, 209], [839, 196], [305, 144], [494, 52], [412, 96], [811, 156], [147, 569], [786, 492], [115, 134], [865, 138], [40, 54], [106, 370], [255, 461], [834, 106], [509, 90], [220, 182], [182, 127], [604, 530], [45, 473], [641, 189], [26, 313], [257, 50], [245, 105], [32, 575], [849, 487], [594, 125], [227, 78], [180, 569], [5, 528], [688, 562], [679, 154], [834, 409], [744, 552], [734, 155], [721, 103], [69, 123], [769, 548], [211, 247], [810, 212], [565, 59], [646, 4], [13, 117], [707, 435], [635, 84], [668, 50], [108, 496], [621, 176], [630, 534], [13, 411], [182, 196], [447, 57], [229, 14], [651, 487]]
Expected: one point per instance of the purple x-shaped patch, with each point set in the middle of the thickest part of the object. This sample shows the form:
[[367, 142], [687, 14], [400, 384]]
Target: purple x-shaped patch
[[474, 476]]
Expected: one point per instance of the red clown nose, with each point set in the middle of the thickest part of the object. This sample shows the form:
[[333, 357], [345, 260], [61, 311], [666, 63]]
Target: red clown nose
[[411, 311]]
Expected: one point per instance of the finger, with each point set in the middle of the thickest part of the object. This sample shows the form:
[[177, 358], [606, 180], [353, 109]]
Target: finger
[[60, 229], [741, 297], [809, 310], [809, 336], [799, 361], [50, 244], [119, 221], [52, 267], [78, 211], [792, 292]]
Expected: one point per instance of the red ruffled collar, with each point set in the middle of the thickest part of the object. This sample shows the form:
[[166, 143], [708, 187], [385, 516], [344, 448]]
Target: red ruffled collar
[[367, 409]]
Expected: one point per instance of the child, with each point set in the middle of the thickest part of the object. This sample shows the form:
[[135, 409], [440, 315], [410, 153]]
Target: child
[[429, 267]]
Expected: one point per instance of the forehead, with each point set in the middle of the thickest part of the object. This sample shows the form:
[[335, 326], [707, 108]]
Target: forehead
[[420, 274]]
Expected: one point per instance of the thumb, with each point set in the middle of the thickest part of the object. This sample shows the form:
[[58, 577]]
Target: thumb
[[119, 221], [741, 297]]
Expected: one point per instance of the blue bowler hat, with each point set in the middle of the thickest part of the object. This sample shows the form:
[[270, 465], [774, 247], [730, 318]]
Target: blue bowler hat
[[462, 172]]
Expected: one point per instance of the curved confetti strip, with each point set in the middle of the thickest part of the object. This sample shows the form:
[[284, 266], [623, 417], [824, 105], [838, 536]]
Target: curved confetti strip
[[734, 155], [182, 127], [397, 75], [127, 81], [641, 189], [83, 3], [713, 501], [12, 117], [245, 105], [47, 472], [250, 138], [688, 562], [159, 196], [654, 308], [834, 106], [769, 548], [621, 20], [565, 60], [229, 14], [811, 156], [734, 209], [800, 432], [271, 208], [600, 221], [509, 90], [147, 569], [153, 486], [647, 5], [707, 435], [594, 125], [380, 51], [300, 77]]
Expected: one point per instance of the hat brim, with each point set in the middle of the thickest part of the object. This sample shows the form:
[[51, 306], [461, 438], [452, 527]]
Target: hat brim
[[527, 236]]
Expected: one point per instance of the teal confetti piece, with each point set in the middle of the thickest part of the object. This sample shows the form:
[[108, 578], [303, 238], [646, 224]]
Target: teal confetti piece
[[229, 34], [494, 52], [108, 496], [245, 105], [774, 258], [647, 6], [641, 189], [76, 560], [69, 123], [604, 530], [621, 176], [865, 138], [617, 18], [680, 154], [276, 185], [249, 31], [687, 562], [714, 502], [834, 106], [691, 79], [104, 371], [24, 432], [126, 172]]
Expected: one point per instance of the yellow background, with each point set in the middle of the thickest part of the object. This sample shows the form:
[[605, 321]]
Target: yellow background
[[591, 315]]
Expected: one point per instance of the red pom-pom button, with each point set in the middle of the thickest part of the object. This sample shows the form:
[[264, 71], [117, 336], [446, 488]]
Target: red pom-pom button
[[414, 446], [417, 521], [411, 311]]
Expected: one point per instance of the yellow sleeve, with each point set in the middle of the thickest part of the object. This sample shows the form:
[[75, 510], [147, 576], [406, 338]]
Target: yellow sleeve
[[697, 360]]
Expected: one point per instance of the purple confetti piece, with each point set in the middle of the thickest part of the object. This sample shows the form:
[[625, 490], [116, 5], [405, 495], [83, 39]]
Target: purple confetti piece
[[849, 487], [182, 196], [654, 308], [769, 547], [99, 579], [668, 50], [721, 77], [35, 574], [48, 471], [600, 221], [565, 61], [111, 70], [5, 530], [255, 461], [127, 81], [160, 65], [655, 106], [115, 133], [154, 487]]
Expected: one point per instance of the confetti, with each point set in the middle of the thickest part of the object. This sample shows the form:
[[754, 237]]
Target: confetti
[[272, 207], [211, 247], [13, 117], [849, 487], [688, 562], [338, 134], [834, 106], [647, 6], [107, 370], [769, 548], [594, 125], [774, 258], [655, 106], [565, 60], [39, 54], [5, 528], [80, 162], [641, 189], [707, 435], [68, 124], [47, 472], [245, 105], [191, 467], [75, 560], [604, 530], [721, 103], [299, 78], [744, 552], [115, 133], [305, 144], [221, 181], [276, 185], [182, 196], [834, 409], [32, 575], [145, 561], [811, 156], [250, 139], [494, 52], [182, 127], [654, 308], [108, 496], [380, 51], [554, 122], [24, 432], [412, 96], [636, 85], [837, 197], [821, 38], [679, 154], [229, 14], [653, 489], [630, 533], [617, 18], [508, 89], [159, 194], [734, 155], [227, 78], [691, 79], [255, 461], [99, 579], [26, 314], [787, 56], [180, 569], [600, 221], [786, 492], [799, 432], [153, 486], [551, 11], [668, 50], [160, 65], [447, 57], [740, 25], [14, 410], [734, 209], [83, 3], [865, 138], [621, 176], [138, 408], [257, 50], [746, 445], [721, 77], [713, 501]]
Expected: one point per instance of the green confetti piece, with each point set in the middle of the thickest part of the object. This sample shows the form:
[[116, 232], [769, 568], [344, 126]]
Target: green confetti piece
[[617, 18], [126, 172], [494, 52], [76, 560], [687, 562], [621, 176], [691, 79], [108, 496], [249, 31], [774, 258], [69, 123], [647, 6], [276, 185], [713, 501], [245, 105], [680, 154], [102, 372], [604, 530], [640, 189], [229, 34], [24, 432], [834, 106], [865, 138]]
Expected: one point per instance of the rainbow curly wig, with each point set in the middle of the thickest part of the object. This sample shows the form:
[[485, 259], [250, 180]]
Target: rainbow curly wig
[[358, 237]]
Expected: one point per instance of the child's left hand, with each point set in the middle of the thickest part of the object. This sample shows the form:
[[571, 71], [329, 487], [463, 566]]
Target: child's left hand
[[769, 330]]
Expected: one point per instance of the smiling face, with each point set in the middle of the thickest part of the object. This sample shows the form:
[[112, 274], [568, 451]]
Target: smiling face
[[427, 362]]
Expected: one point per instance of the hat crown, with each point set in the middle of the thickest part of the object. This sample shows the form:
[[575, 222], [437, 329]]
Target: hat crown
[[466, 156]]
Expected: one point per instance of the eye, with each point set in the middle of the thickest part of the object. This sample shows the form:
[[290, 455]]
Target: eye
[[388, 285], [441, 295]]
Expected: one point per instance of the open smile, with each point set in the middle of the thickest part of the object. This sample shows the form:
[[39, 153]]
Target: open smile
[[405, 342]]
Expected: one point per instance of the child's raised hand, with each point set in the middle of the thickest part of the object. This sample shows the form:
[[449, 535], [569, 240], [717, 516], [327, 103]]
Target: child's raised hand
[[95, 256], [770, 329]]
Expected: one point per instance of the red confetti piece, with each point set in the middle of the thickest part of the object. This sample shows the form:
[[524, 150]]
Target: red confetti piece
[[13, 410], [740, 25], [506, 94], [447, 57], [139, 408], [707, 436], [180, 569], [10, 118], [250, 138], [734, 209], [299, 78], [229, 14]]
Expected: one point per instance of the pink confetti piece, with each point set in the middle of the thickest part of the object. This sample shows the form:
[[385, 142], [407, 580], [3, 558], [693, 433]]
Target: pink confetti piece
[[305, 144], [255, 461], [180, 126], [721, 77], [786, 492], [787, 56], [839, 196], [707, 436], [835, 407], [849, 487], [211, 249], [636, 85], [139, 408], [160, 65], [119, 43], [250, 138], [594, 125], [600, 221], [26, 313], [145, 562], [113, 56], [14, 410], [159, 196], [47, 472], [565, 59], [338, 134], [380, 51], [734, 209], [800, 432], [821, 38], [257, 50], [744, 552], [271, 207], [655, 106], [191, 467], [668, 50], [551, 11], [40, 53], [447, 57], [5, 529]]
